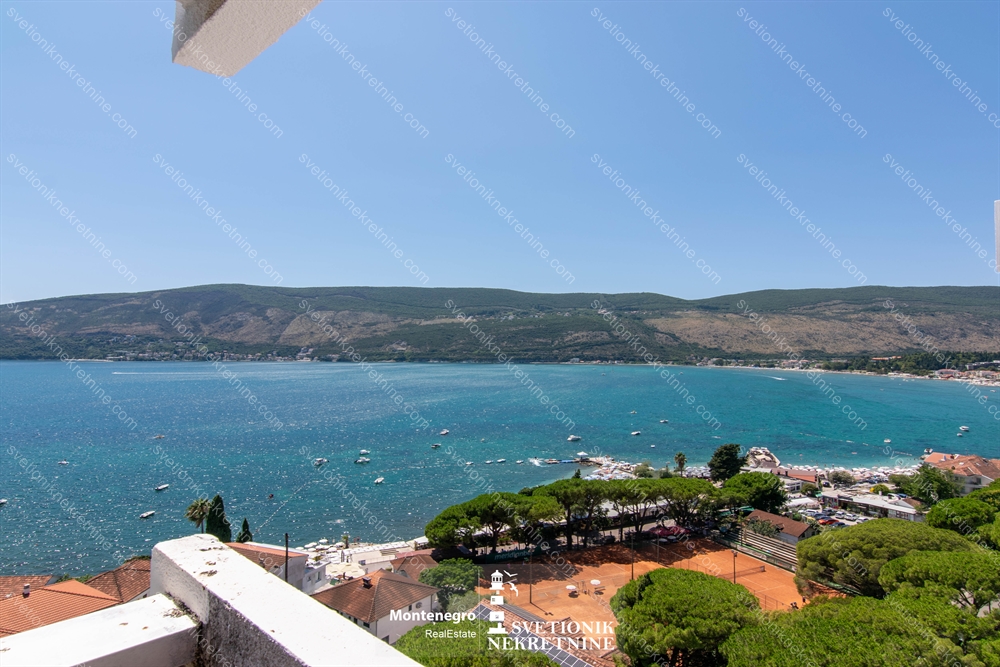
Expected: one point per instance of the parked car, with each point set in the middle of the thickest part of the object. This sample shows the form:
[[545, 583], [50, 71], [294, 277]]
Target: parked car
[[851, 517]]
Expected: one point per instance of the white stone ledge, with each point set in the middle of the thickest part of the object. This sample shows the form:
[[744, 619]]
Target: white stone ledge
[[223, 36], [251, 618], [151, 632]]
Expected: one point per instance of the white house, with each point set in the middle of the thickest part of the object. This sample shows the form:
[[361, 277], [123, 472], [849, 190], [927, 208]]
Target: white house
[[370, 602]]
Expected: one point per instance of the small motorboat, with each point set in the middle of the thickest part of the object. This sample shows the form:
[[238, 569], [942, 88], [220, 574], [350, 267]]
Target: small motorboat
[[959, 434], [574, 438], [468, 463], [636, 432], [159, 437], [363, 459], [632, 413], [146, 515], [363, 452], [444, 432], [552, 461], [664, 421], [652, 446], [435, 445], [501, 460], [963, 428], [489, 462], [162, 487], [887, 441], [380, 480], [519, 462], [320, 461], [928, 451], [3, 501], [64, 463]]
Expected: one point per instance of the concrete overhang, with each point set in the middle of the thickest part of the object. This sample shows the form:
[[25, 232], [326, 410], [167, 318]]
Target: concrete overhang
[[222, 36]]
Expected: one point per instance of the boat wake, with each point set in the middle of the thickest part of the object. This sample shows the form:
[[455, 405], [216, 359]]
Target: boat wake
[[776, 378]]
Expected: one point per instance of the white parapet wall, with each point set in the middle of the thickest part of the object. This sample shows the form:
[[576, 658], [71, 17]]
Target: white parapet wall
[[221, 37], [151, 632], [251, 618]]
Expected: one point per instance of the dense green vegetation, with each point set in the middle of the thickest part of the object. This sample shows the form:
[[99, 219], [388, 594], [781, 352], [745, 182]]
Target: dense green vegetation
[[678, 618], [454, 577], [854, 556], [917, 363], [760, 490]]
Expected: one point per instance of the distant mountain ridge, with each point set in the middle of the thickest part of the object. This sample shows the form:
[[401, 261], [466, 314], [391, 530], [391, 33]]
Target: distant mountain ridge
[[420, 324]]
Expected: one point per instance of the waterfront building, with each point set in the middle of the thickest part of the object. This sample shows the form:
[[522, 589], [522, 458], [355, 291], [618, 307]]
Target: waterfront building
[[974, 472]]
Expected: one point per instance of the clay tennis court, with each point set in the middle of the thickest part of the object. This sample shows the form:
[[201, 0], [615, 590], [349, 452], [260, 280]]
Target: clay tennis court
[[541, 586]]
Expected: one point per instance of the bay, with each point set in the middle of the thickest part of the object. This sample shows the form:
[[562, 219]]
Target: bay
[[82, 517]]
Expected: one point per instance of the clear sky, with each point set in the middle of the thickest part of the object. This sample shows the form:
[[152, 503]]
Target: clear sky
[[709, 210]]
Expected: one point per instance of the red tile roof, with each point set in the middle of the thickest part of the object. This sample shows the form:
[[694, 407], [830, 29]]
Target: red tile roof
[[51, 604], [788, 526], [965, 465], [266, 557], [388, 591], [412, 566], [126, 582], [15, 585]]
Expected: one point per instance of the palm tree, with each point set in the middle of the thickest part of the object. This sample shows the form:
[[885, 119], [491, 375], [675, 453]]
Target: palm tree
[[680, 460], [198, 511]]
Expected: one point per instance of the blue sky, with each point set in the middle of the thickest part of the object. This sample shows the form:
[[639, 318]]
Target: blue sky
[[621, 115]]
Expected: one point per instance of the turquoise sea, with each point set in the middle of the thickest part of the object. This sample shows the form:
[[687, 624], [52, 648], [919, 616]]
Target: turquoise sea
[[83, 517]]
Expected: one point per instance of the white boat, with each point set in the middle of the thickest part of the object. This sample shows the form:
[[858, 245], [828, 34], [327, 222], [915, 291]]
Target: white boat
[[664, 421], [519, 462], [636, 432], [928, 451], [574, 438], [501, 460], [159, 437], [380, 480], [887, 441], [435, 445], [468, 463], [3, 501], [444, 432], [632, 413], [489, 462], [162, 487], [363, 452], [320, 461], [146, 515], [652, 446], [959, 434], [64, 463], [963, 428], [363, 459]]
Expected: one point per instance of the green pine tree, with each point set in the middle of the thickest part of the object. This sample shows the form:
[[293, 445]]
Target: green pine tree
[[244, 535], [216, 522]]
